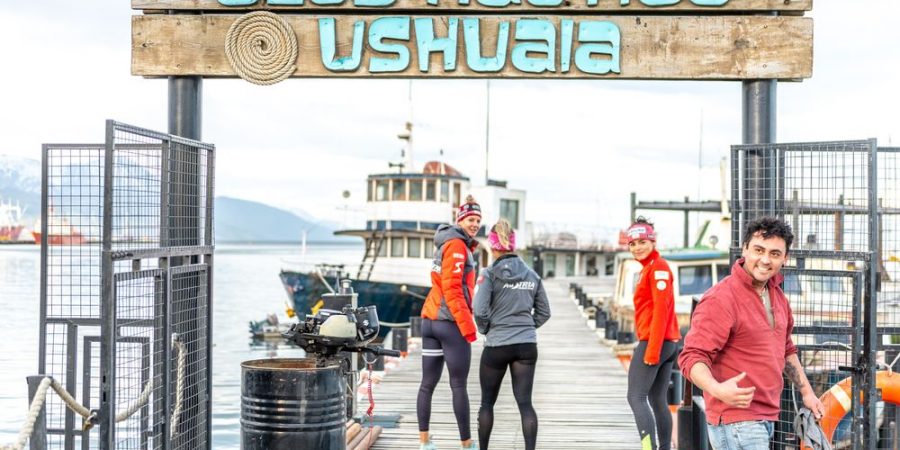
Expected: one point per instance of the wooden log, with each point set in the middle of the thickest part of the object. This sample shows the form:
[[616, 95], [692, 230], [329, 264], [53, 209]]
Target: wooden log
[[369, 441], [352, 431], [652, 47], [359, 438]]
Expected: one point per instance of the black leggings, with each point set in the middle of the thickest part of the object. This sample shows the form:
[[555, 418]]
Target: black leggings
[[442, 341], [521, 360], [647, 387]]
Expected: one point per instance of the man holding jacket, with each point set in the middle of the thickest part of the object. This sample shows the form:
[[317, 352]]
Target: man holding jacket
[[740, 344]]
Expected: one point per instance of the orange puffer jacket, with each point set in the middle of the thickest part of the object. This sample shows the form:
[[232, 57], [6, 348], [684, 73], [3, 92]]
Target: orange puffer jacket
[[452, 280]]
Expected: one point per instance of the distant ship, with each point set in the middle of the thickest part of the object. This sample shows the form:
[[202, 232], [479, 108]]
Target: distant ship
[[61, 233], [403, 210], [10, 222]]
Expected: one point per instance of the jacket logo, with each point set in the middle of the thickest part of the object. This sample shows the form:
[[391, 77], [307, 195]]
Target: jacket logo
[[459, 256], [458, 268], [660, 275], [522, 285]]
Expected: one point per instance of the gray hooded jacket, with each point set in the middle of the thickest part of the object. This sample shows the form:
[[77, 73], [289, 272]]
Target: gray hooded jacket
[[510, 303]]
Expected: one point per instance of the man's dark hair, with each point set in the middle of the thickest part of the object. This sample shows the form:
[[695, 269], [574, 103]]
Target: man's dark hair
[[769, 227], [642, 220]]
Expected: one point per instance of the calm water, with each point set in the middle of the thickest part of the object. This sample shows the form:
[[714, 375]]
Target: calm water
[[246, 288]]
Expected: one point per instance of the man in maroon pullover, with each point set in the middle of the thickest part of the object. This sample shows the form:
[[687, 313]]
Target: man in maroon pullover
[[740, 344]]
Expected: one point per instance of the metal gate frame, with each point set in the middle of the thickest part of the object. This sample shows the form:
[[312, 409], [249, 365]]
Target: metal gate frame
[[758, 189], [137, 273]]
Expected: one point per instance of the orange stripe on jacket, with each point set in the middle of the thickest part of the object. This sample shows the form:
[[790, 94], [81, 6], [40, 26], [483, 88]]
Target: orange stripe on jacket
[[455, 285]]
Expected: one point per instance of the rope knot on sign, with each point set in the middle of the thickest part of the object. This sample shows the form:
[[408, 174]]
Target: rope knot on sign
[[261, 48]]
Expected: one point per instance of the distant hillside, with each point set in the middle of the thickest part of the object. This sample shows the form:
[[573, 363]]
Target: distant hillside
[[20, 181], [236, 220], [243, 220]]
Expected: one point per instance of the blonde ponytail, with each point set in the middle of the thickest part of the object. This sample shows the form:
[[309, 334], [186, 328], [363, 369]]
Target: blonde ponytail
[[503, 230]]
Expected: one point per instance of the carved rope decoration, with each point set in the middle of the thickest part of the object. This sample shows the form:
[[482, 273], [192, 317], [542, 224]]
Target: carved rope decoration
[[261, 48]]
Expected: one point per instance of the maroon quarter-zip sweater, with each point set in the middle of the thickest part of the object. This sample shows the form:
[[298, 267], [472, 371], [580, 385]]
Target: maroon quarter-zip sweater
[[730, 333]]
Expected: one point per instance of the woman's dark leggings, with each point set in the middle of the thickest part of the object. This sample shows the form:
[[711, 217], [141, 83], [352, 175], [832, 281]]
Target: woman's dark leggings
[[521, 360], [647, 387], [442, 341]]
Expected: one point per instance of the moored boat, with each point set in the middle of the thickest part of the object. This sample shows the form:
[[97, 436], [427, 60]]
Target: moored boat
[[403, 210]]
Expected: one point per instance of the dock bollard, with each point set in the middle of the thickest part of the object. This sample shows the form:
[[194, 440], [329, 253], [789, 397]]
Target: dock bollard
[[38, 438], [612, 329], [676, 386], [415, 326], [625, 337], [400, 340], [600, 318], [268, 384]]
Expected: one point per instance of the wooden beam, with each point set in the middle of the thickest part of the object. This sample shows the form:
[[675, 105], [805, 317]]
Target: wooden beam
[[422, 7], [654, 47]]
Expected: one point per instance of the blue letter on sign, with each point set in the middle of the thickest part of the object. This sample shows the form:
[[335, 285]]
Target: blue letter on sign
[[709, 2], [473, 47], [595, 32], [389, 28], [327, 47], [566, 27], [534, 30], [427, 43], [285, 2], [660, 2], [499, 3], [237, 2]]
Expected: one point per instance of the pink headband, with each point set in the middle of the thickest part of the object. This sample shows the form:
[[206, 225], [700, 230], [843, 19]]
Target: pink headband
[[497, 245], [640, 231]]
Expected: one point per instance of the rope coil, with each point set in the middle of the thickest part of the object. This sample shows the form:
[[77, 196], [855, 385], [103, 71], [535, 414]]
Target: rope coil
[[262, 48]]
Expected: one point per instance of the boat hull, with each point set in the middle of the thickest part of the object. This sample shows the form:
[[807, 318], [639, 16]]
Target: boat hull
[[394, 304], [60, 239]]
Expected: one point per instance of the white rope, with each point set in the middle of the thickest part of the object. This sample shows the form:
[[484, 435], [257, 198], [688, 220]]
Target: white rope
[[40, 397], [179, 384], [37, 404], [322, 279], [262, 48]]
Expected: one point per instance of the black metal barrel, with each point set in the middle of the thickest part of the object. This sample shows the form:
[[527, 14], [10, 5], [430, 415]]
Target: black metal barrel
[[288, 403]]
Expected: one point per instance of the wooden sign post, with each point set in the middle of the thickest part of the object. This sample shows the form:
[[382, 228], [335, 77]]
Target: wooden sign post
[[670, 39], [267, 41]]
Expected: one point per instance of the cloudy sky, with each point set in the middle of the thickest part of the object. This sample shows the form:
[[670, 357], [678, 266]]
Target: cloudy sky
[[577, 147]]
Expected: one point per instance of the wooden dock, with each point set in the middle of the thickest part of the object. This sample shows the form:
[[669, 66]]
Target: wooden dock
[[579, 393]]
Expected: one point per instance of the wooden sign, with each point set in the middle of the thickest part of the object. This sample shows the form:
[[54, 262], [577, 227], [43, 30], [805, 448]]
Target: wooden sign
[[580, 46], [790, 7]]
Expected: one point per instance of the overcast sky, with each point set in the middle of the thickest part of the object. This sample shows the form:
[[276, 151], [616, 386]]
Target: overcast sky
[[577, 147]]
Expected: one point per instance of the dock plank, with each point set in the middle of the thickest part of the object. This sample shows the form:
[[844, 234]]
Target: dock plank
[[579, 393]]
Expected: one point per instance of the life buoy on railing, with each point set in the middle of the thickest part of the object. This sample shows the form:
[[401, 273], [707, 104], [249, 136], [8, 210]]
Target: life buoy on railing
[[837, 400]]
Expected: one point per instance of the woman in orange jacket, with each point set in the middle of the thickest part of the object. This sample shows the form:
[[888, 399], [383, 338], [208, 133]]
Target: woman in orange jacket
[[658, 335], [448, 328]]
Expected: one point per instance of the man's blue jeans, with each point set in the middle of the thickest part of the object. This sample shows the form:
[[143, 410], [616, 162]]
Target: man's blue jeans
[[750, 435]]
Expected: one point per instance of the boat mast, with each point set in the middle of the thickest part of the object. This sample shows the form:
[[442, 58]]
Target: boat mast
[[407, 134], [487, 131]]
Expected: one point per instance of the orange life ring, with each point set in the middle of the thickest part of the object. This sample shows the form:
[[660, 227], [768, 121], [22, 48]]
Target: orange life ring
[[837, 400]]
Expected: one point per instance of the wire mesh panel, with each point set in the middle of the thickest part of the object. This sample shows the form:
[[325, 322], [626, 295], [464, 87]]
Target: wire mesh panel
[[70, 234], [889, 280], [126, 284], [189, 301], [827, 193]]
